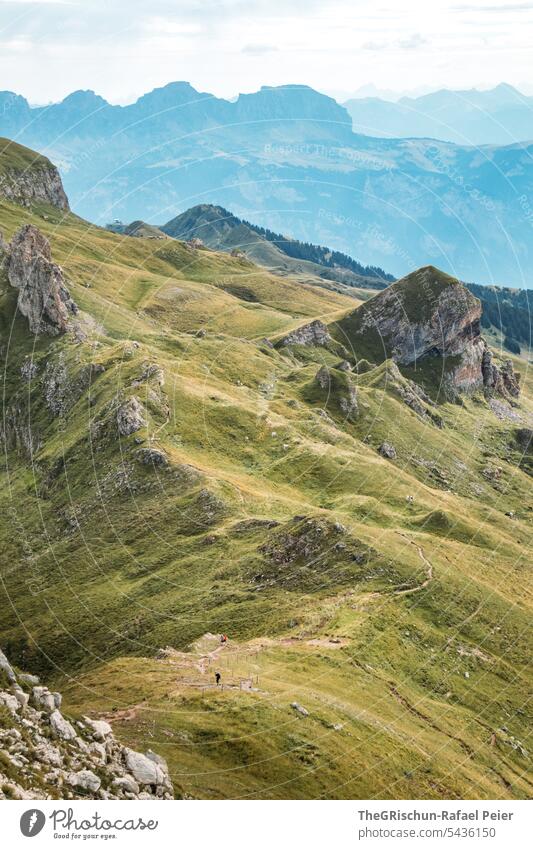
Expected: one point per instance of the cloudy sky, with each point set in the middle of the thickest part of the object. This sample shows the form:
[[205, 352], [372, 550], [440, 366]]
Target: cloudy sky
[[122, 48]]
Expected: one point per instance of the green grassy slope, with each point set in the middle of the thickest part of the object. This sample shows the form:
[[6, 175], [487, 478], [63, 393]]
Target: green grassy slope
[[16, 157], [219, 229], [400, 627]]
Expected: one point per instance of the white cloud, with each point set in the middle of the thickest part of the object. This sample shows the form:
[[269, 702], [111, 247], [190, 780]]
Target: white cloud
[[484, 10], [38, 3], [413, 42], [122, 48], [259, 49], [16, 45]]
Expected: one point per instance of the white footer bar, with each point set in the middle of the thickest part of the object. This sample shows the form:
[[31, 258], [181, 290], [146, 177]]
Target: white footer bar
[[266, 824]]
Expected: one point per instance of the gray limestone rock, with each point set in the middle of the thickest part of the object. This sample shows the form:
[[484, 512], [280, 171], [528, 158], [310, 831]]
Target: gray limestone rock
[[43, 297], [314, 333], [61, 727], [386, 449], [130, 416]]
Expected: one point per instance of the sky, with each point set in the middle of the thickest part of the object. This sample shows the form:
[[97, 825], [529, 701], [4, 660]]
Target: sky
[[123, 48]]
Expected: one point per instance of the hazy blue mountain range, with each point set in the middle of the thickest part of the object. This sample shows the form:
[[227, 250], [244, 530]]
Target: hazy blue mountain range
[[287, 159], [502, 115]]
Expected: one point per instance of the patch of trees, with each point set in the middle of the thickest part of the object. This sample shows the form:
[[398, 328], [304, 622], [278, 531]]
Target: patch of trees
[[320, 254], [509, 310]]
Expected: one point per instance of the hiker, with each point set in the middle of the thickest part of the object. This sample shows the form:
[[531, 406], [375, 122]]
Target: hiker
[[223, 639], [217, 678]]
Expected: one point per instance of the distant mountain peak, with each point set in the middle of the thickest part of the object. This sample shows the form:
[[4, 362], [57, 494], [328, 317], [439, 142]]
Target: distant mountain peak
[[506, 87], [302, 101], [176, 92], [84, 97], [222, 230]]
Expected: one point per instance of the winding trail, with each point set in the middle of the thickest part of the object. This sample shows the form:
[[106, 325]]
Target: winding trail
[[427, 564]]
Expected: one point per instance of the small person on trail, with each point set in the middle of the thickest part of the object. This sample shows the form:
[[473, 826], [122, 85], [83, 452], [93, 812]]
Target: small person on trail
[[217, 678], [223, 638]]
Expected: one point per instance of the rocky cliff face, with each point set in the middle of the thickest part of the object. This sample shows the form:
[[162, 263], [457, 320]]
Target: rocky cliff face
[[42, 294], [499, 379], [27, 178], [427, 316], [46, 756]]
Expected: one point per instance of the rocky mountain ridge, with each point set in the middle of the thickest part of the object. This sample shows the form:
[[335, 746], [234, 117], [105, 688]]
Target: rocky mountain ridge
[[429, 319], [43, 755], [30, 178]]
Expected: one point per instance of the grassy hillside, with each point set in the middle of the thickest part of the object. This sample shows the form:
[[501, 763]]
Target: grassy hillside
[[219, 229], [398, 624], [16, 157], [508, 311]]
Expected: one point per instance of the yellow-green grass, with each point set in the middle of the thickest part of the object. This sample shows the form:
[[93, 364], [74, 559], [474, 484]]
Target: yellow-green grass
[[107, 560]]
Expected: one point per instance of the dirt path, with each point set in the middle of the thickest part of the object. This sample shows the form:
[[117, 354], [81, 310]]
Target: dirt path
[[204, 653], [427, 564], [206, 658], [121, 715]]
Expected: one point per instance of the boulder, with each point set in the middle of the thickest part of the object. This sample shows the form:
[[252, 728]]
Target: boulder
[[61, 727], [43, 297], [6, 667], [48, 754], [21, 696], [143, 768], [84, 780], [152, 457], [26, 678], [99, 727], [44, 699], [299, 709], [9, 701], [387, 449], [126, 784], [157, 759]]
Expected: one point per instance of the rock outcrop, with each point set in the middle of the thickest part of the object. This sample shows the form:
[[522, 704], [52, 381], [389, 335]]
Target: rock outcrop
[[130, 416], [43, 297], [502, 379], [386, 449], [314, 333], [46, 756], [27, 178], [428, 316], [152, 457], [333, 387]]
